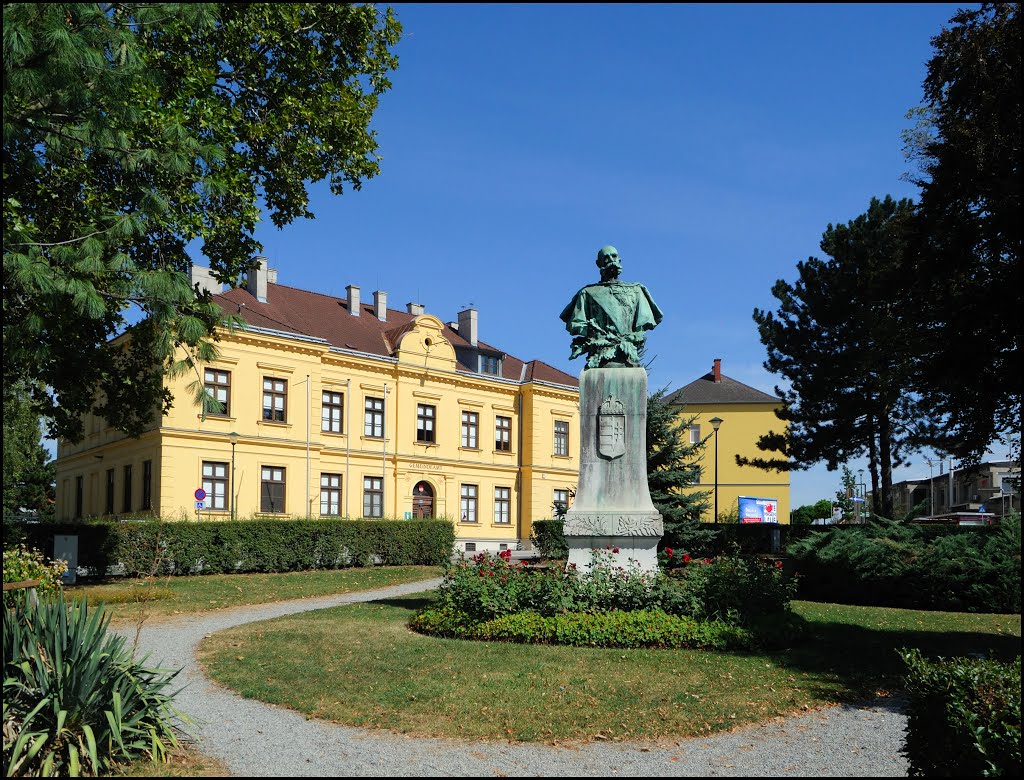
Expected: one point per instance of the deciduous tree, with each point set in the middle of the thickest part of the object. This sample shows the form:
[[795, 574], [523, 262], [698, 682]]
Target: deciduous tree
[[134, 129]]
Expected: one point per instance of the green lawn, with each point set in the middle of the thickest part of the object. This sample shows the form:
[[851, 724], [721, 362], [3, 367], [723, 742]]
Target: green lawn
[[167, 596], [360, 665]]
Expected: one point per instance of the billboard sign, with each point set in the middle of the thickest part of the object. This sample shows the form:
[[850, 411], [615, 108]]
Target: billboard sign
[[758, 510]]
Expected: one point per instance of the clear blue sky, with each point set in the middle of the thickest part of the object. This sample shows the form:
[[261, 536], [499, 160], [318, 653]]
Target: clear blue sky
[[712, 144]]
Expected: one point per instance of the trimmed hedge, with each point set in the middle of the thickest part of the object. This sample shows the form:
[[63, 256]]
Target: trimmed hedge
[[696, 538], [244, 546], [963, 718], [913, 566], [635, 629], [547, 537]]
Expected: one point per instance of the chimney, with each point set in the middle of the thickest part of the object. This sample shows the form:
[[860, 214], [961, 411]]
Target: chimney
[[272, 275], [415, 309], [380, 305], [353, 299], [468, 325], [201, 276], [718, 370], [256, 279]]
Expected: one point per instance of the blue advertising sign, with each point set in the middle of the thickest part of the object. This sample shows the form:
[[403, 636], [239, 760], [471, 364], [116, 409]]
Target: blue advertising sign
[[758, 510]]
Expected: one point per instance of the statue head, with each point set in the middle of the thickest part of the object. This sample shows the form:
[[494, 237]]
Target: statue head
[[609, 263]]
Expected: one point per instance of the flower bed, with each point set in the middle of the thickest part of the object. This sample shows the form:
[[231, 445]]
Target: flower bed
[[726, 602]]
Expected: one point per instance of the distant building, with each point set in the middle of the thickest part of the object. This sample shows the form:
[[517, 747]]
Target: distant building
[[335, 407], [992, 487], [745, 414]]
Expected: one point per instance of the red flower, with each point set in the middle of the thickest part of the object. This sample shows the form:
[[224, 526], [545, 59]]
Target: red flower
[[686, 558], [778, 564], [668, 551], [615, 550]]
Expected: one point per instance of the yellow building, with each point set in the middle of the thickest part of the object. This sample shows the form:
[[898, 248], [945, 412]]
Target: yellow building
[[338, 407], [744, 414]]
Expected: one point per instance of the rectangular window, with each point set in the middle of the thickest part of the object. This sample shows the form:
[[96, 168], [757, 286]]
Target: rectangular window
[[330, 494], [373, 420], [425, 415], [561, 437], [275, 394], [79, 497], [502, 505], [272, 489], [561, 502], [218, 385], [503, 434], [215, 483], [470, 424], [126, 490], [110, 491], [333, 406], [373, 497], [468, 507], [694, 434], [147, 485], [490, 365]]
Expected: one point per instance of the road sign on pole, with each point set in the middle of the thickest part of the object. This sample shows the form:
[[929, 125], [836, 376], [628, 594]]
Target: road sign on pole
[[200, 494]]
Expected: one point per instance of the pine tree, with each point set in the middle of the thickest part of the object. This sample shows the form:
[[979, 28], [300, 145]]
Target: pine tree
[[965, 253], [673, 465], [28, 470], [840, 338]]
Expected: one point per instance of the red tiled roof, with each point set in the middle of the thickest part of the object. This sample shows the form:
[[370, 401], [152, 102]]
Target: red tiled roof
[[326, 317]]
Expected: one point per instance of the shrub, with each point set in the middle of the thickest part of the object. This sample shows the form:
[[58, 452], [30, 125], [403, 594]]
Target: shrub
[[490, 598], [635, 629], [963, 717], [548, 537], [21, 564], [913, 566], [145, 547], [739, 590], [75, 701]]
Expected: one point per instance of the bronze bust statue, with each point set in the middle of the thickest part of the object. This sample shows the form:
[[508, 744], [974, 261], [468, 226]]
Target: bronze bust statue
[[609, 320]]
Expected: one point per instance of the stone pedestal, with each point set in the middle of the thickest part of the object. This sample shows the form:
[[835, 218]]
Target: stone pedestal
[[613, 505]]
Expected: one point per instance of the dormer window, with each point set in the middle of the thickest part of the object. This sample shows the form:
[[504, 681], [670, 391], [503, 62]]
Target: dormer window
[[489, 364]]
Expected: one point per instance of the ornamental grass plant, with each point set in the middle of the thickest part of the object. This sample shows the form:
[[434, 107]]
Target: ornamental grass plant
[[75, 700]]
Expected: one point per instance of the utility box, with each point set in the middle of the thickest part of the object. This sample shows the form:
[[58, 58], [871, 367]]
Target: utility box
[[65, 548]]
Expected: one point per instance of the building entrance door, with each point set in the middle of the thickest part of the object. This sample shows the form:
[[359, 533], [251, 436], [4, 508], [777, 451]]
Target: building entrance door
[[422, 500]]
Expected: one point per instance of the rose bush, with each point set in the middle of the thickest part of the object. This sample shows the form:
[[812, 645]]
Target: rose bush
[[729, 590]]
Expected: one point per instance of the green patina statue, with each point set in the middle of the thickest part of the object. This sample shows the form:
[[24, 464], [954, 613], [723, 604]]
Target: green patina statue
[[608, 320]]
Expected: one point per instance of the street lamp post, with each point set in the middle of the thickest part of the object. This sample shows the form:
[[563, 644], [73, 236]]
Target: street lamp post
[[931, 489], [233, 438], [863, 496], [716, 423]]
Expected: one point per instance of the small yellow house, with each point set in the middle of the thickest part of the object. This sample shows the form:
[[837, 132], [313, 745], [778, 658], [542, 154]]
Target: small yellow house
[[335, 407], [741, 414]]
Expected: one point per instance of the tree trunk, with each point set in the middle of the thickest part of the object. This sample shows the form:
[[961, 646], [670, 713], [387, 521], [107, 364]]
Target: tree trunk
[[885, 445]]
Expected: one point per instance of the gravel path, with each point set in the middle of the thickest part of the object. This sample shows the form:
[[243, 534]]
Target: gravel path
[[256, 739]]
